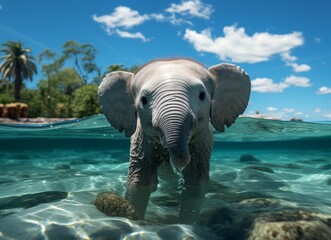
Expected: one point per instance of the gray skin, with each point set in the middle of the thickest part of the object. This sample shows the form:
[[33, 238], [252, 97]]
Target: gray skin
[[166, 109]]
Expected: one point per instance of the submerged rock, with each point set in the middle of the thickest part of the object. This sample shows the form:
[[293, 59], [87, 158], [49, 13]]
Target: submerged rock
[[328, 181], [31, 200], [251, 179], [292, 166], [260, 168], [83, 161], [230, 176], [227, 222], [316, 160], [325, 167], [230, 222], [260, 203], [248, 158], [62, 167], [115, 206], [292, 225]]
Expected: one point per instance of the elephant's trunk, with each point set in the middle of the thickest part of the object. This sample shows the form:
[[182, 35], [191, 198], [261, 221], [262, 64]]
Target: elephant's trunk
[[175, 120], [176, 130]]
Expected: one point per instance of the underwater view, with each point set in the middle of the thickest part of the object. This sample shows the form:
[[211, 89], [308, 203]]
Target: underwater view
[[265, 175]]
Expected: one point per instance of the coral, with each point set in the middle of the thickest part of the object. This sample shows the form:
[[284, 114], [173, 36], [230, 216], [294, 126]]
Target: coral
[[115, 206]]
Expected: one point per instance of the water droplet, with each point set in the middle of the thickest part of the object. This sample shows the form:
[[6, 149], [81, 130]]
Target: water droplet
[[181, 182]]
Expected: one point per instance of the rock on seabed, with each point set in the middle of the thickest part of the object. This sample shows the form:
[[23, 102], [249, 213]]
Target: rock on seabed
[[292, 225], [115, 206]]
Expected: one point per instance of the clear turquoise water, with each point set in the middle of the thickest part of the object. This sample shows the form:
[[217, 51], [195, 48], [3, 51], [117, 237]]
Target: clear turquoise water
[[51, 174]]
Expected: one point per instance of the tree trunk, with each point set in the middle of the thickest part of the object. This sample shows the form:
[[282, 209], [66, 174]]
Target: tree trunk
[[18, 86]]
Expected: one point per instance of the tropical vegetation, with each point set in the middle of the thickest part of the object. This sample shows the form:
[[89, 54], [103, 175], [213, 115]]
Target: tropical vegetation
[[68, 83], [17, 64]]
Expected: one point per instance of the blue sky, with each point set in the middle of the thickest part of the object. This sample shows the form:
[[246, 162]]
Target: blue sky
[[283, 45]]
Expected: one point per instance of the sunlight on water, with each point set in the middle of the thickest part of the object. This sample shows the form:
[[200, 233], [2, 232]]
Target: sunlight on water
[[51, 174]]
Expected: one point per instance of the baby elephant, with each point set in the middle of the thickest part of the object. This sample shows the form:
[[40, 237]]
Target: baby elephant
[[166, 108]]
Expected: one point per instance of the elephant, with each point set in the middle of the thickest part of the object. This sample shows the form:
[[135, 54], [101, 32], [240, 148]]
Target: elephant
[[168, 108]]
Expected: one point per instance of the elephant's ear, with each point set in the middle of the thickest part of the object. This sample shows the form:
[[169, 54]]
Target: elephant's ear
[[230, 96], [117, 103]]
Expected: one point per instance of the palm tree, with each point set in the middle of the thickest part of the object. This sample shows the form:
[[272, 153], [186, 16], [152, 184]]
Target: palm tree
[[16, 65]]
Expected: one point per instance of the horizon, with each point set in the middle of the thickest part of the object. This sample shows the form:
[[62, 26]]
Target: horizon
[[283, 46]]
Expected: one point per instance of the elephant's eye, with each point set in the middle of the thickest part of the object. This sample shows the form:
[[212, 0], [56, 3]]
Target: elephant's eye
[[143, 100], [202, 96]]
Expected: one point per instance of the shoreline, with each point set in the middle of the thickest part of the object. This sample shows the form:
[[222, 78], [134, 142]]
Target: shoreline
[[38, 120]]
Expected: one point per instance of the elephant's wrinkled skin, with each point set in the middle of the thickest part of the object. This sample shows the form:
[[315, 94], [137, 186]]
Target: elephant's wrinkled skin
[[166, 108]]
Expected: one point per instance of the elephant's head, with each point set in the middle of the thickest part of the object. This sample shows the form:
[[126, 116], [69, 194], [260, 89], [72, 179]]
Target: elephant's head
[[174, 100]]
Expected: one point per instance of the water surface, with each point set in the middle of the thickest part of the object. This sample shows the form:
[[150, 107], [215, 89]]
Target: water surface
[[50, 175]]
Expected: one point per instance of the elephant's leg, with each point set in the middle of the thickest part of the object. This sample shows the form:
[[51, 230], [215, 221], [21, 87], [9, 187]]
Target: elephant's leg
[[142, 174], [196, 176], [138, 196]]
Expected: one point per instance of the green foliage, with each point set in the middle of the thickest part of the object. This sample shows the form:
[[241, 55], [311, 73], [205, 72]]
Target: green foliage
[[16, 65], [83, 56], [63, 90], [6, 98], [52, 63], [85, 101], [57, 91], [115, 67], [34, 101]]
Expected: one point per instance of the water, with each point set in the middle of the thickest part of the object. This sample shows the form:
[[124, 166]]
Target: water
[[51, 174]]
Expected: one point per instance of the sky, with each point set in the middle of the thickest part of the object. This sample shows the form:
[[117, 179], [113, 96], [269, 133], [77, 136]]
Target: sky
[[283, 45]]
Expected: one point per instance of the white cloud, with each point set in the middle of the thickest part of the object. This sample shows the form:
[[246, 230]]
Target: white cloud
[[317, 110], [290, 61], [318, 40], [286, 56], [297, 81], [327, 116], [272, 109], [121, 17], [237, 46], [300, 67], [267, 85], [324, 90], [193, 8], [124, 18], [264, 85], [288, 110], [177, 21], [138, 35], [157, 16]]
